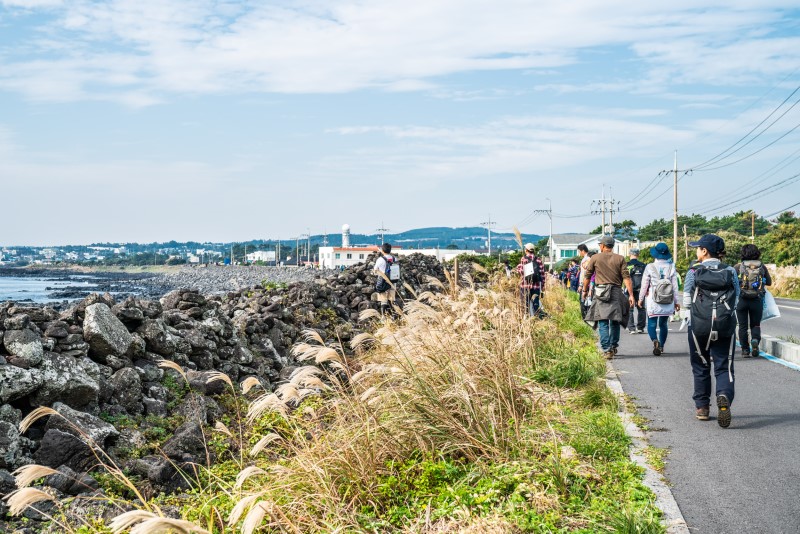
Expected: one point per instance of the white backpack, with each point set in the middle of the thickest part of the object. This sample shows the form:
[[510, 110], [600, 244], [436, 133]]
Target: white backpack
[[662, 290]]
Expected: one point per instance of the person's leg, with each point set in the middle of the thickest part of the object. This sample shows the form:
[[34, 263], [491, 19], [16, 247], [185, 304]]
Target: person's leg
[[614, 328], [702, 373], [721, 350], [640, 318], [742, 318], [663, 330], [756, 313], [631, 322], [651, 327], [605, 340], [383, 301], [534, 302]]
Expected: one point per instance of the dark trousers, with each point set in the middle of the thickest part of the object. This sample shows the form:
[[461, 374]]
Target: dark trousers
[[749, 312], [721, 352], [638, 315], [530, 300]]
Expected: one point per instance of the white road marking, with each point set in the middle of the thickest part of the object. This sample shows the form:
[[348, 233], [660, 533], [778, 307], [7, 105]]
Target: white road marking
[[788, 307]]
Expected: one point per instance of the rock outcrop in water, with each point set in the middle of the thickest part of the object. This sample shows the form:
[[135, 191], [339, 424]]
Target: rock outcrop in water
[[97, 364]]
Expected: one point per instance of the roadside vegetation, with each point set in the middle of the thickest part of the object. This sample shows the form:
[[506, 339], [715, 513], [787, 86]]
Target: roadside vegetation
[[460, 416]]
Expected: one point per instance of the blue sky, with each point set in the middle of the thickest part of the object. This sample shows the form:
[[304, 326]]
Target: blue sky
[[142, 120]]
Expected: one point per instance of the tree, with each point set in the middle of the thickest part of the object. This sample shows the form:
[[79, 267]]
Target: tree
[[787, 217], [626, 230], [781, 245]]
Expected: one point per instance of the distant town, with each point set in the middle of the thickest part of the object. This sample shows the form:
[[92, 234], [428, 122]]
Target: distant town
[[302, 250]]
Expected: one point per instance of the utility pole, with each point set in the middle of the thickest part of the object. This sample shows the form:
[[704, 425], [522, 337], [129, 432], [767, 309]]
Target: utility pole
[[297, 249], [675, 204], [488, 225], [308, 247], [245, 253], [752, 225], [278, 255], [382, 231], [231, 254], [685, 242], [605, 205], [675, 172], [549, 213]]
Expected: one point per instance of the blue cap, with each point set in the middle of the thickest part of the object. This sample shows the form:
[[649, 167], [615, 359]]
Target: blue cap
[[714, 243]]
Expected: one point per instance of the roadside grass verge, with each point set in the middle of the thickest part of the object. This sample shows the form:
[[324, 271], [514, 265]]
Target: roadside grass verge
[[461, 416]]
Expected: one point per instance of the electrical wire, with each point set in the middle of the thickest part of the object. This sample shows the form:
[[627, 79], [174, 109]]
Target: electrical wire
[[752, 153], [781, 211], [647, 189], [758, 194], [756, 182], [724, 154]]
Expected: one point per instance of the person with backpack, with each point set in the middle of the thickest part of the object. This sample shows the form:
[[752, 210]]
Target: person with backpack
[[753, 279], [573, 275], [385, 285], [659, 295], [636, 268], [609, 307], [710, 293], [531, 284]]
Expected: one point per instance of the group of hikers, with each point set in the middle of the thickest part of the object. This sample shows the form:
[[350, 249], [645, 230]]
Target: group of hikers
[[715, 298]]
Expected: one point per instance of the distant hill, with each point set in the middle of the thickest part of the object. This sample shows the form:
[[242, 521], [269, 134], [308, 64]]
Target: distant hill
[[437, 236]]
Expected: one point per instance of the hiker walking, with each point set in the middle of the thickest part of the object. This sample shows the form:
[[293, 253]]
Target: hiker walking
[[659, 295], [637, 315], [573, 275], [531, 284], [385, 285], [609, 307], [753, 279], [710, 293]]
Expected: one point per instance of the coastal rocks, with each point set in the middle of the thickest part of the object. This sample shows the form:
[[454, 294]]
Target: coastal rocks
[[81, 424], [16, 382], [63, 379], [127, 390], [24, 348], [105, 333]]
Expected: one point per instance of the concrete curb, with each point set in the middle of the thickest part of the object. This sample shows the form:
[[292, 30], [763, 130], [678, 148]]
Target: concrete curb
[[779, 348], [673, 518]]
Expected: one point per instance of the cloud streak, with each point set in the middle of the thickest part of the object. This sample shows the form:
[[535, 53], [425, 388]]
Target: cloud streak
[[139, 52]]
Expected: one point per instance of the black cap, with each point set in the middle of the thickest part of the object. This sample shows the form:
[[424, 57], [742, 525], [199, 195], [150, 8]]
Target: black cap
[[713, 243]]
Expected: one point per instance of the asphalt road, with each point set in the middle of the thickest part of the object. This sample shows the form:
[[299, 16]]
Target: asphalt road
[[745, 478], [787, 326]]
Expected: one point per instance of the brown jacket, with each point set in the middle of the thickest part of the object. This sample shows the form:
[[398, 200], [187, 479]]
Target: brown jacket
[[608, 268]]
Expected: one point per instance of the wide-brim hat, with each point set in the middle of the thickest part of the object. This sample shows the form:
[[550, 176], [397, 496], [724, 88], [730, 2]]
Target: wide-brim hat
[[661, 252]]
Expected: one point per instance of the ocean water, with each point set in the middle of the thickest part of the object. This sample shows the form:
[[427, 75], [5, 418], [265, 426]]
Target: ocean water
[[34, 289]]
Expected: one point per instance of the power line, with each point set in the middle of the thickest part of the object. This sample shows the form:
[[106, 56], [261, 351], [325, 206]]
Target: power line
[[753, 153], [719, 156], [758, 194], [781, 211]]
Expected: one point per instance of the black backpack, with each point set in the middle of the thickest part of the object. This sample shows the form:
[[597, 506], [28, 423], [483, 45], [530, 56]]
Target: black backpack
[[713, 303], [751, 280], [535, 276], [381, 284], [636, 270]]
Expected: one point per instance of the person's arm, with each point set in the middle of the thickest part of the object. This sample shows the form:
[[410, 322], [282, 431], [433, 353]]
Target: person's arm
[[626, 279], [688, 289], [587, 275], [645, 286], [543, 281], [767, 277], [675, 288]]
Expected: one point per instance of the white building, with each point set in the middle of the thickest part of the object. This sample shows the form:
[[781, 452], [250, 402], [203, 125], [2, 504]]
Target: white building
[[336, 257], [261, 255]]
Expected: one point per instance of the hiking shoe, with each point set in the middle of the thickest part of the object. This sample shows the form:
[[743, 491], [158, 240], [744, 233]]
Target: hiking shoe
[[754, 347], [640, 331], [656, 348], [702, 413], [724, 411], [631, 332], [608, 355], [615, 350], [745, 353]]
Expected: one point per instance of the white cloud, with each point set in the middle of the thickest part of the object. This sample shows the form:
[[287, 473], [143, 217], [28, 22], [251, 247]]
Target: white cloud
[[152, 48]]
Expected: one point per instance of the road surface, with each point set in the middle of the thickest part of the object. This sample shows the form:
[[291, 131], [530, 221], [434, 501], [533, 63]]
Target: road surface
[[742, 479]]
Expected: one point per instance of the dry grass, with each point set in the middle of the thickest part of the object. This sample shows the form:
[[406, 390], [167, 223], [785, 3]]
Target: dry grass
[[453, 377]]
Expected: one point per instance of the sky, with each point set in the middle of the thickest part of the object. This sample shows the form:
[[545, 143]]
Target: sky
[[154, 120]]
